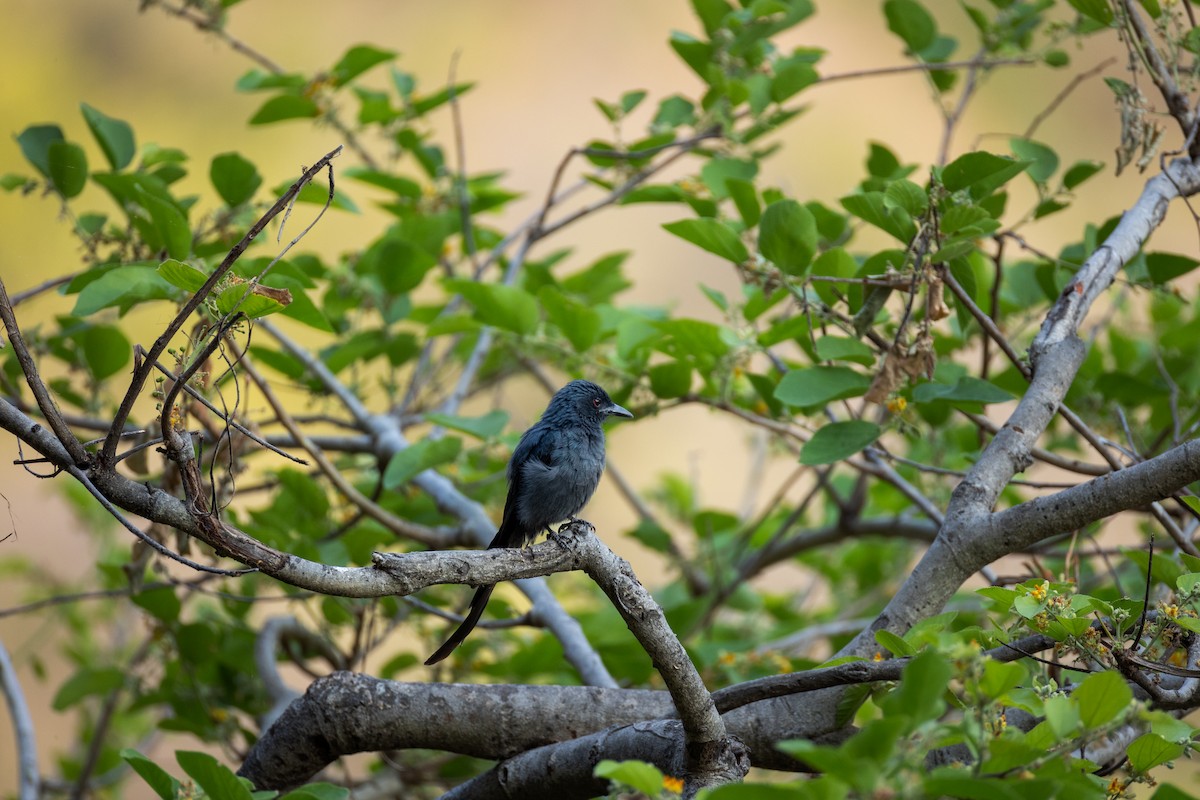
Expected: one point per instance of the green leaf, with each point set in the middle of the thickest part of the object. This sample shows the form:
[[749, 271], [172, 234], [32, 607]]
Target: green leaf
[[643, 777], [499, 305], [1150, 750], [301, 308], [1062, 716], [718, 172], [695, 53], [162, 603], [86, 683], [1080, 171], [1045, 160], [11, 180], [285, 106], [356, 61], [318, 791], [839, 440], [234, 178], [788, 236], [1101, 698], [1028, 607], [236, 298], [400, 265], [814, 386], [105, 349], [999, 678], [1001, 597], [114, 135], [833, 263], [631, 100], [922, 685], [68, 168], [485, 427], [672, 379], [1056, 58], [983, 170], [169, 222], [872, 207], [1167, 791], [911, 22], [745, 197], [703, 342], [123, 287], [842, 348], [579, 323], [185, 276], [791, 80], [712, 235], [415, 459], [216, 779], [1166, 267], [965, 390], [908, 196], [894, 644], [610, 112], [1187, 582], [1097, 10], [155, 776], [35, 143], [673, 112]]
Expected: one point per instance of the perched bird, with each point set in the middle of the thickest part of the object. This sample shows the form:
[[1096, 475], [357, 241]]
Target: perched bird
[[552, 474]]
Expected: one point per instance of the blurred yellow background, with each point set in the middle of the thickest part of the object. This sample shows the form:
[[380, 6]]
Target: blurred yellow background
[[537, 65]]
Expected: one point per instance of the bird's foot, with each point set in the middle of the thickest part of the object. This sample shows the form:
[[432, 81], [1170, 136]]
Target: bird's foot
[[568, 530]]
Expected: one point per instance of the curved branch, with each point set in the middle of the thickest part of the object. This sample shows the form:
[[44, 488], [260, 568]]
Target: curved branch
[[350, 713], [45, 402], [27, 764]]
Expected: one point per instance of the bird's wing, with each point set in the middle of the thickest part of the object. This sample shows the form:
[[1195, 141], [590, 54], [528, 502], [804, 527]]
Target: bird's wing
[[535, 447]]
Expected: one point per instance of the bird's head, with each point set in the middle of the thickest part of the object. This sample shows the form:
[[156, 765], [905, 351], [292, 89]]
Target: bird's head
[[586, 400]]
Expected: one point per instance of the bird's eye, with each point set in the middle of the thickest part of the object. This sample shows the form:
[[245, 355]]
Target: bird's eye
[[596, 402]]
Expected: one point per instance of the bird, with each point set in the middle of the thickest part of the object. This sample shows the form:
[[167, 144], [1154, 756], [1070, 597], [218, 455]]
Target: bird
[[552, 474]]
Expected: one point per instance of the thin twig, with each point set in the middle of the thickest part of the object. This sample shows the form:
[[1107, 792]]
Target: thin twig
[[398, 525], [460, 154], [81, 787], [21, 297], [150, 541], [45, 402], [142, 373], [226, 418], [209, 25], [1177, 101], [943, 66], [1058, 100], [362, 417], [952, 117]]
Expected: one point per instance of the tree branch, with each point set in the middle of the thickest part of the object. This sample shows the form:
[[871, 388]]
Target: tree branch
[[142, 373], [29, 779]]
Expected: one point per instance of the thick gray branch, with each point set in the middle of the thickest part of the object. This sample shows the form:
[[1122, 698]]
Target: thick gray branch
[[349, 713]]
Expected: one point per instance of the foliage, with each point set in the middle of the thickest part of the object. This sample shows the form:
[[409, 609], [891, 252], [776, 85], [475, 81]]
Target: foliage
[[870, 338]]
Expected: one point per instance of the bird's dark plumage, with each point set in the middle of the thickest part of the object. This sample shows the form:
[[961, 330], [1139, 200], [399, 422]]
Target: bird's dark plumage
[[552, 474]]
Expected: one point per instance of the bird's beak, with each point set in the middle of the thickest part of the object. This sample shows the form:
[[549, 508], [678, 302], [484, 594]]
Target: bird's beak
[[619, 411]]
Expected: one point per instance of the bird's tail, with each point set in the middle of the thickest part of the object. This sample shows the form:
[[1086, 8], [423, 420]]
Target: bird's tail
[[478, 604]]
